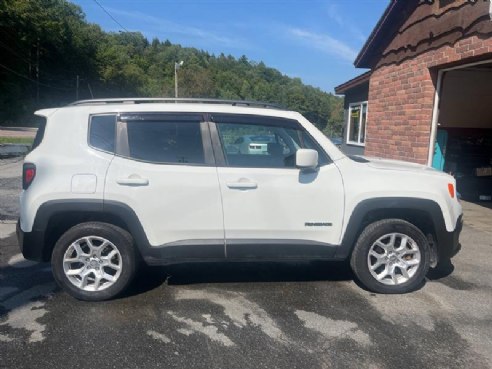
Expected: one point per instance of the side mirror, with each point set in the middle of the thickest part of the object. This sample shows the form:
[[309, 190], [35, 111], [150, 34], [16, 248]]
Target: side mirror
[[306, 159]]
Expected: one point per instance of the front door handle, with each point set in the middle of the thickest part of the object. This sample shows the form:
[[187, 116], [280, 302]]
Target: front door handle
[[133, 181], [242, 184]]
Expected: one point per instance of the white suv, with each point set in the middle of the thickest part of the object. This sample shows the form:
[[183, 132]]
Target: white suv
[[112, 182]]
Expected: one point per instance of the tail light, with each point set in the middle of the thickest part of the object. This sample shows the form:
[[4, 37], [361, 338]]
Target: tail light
[[28, 174], [451, 190]]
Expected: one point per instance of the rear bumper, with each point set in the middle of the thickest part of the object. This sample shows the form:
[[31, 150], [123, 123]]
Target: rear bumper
[[448, 244], [31, 244]]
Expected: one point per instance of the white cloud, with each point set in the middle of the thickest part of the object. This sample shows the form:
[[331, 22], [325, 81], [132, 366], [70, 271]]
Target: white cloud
[[335, 15], [324, 43]]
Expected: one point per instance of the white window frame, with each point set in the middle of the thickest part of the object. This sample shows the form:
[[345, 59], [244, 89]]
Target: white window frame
[[349, 120]]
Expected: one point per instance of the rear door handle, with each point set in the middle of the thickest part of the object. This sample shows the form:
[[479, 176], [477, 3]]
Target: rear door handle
[[242, 184], [133, 181]]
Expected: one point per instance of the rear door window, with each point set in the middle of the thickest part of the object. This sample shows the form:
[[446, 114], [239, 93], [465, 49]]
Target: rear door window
[[166, 142]]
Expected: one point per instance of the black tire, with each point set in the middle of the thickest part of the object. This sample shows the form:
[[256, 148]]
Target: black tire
[[376, 230], [120, 238]]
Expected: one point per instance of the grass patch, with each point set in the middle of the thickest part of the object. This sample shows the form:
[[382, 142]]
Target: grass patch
[[16, 140]]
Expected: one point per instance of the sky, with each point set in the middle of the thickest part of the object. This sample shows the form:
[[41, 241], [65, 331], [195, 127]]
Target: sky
[[315, 40]]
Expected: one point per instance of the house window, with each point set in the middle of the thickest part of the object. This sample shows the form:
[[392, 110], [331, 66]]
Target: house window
[[356, 128]]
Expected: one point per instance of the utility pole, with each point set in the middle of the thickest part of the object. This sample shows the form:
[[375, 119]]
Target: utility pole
[[176, 67], [37, 72], [77, 88], [90, 90], [30, 62], [175, 80]]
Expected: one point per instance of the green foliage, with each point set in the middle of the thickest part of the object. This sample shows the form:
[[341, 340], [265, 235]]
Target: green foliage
[[16, 140], [54, 35]]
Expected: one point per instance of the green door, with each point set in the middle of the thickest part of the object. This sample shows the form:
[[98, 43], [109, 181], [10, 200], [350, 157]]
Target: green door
[[440, 149]]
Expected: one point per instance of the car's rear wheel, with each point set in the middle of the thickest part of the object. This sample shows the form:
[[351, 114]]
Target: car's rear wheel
[[391, 256], [94, 261]]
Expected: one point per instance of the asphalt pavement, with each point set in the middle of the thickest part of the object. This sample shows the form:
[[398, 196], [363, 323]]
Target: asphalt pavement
[[239, 315], [10, 187]]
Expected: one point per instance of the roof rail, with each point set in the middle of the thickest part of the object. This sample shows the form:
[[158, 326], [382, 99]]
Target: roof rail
[[147, 100]]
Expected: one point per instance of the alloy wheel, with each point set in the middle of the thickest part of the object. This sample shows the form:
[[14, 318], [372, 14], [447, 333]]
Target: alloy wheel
[[92, 263], [394, 259]]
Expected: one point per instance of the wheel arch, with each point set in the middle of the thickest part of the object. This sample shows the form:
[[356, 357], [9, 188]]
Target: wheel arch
[[54, 218], [424, 214]]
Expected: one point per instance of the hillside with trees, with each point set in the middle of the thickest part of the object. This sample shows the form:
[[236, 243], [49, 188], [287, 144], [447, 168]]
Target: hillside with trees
[[46, 44]]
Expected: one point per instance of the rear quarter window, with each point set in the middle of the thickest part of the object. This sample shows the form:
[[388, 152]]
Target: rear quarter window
[[102, 132], [39, 133]]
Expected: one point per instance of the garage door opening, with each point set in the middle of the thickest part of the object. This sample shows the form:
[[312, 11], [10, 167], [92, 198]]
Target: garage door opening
[[464, 130]]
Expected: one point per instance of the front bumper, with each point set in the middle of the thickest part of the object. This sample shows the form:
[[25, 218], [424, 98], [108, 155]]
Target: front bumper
[[31, 244], [448, 243]]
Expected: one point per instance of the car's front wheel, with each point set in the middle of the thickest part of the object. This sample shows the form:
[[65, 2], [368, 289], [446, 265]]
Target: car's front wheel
[[391, 256], [94, 261]]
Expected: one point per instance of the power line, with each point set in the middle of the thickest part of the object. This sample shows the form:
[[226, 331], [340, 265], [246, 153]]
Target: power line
[[113, 18], [31, 62], [14, 37], [14, 53], [31, 80]]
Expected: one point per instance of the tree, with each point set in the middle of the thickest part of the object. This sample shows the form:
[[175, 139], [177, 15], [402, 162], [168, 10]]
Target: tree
[[48, 43]]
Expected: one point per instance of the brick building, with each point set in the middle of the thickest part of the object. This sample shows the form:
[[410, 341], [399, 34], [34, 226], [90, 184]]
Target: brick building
[[427, 96]]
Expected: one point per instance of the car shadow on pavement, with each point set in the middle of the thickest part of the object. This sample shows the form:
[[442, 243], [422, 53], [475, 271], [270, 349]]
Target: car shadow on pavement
[[250, 272], [239, 272]]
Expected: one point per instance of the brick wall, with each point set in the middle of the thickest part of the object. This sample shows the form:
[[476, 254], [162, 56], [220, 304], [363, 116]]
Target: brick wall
[[401, 100]]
